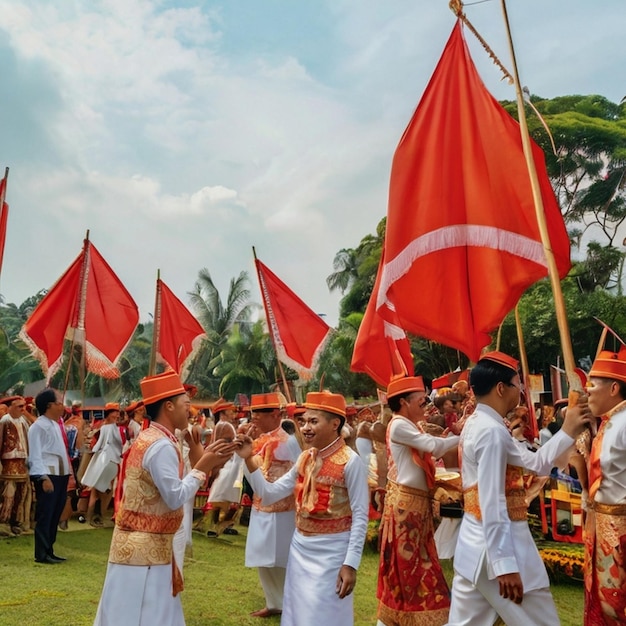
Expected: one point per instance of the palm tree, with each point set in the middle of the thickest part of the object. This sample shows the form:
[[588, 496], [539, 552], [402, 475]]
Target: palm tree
[[218, 320]]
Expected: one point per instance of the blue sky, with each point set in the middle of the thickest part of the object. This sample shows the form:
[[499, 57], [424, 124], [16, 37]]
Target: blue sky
[[183, 133]]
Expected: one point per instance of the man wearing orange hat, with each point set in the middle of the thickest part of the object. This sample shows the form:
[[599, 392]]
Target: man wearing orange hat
[[136, 414], [225, 490], [605, 527], [411, 585], [103, 466], [16, 489], [330, 485], [271, 525], [497, 565], [143, 580]]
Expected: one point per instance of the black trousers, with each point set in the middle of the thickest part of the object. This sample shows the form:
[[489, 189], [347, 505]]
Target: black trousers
[[48, 511]]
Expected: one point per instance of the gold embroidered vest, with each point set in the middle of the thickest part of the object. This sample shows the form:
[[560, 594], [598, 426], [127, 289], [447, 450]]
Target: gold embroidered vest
[[322, 501], [144, 525], [272, 468]]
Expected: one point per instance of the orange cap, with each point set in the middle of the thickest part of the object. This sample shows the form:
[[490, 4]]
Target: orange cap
[[501, 359], [326, 401], [404, 384], [161, 386], [273, 400], [111, 406], [133, 406], [222, 405], [610, 365]]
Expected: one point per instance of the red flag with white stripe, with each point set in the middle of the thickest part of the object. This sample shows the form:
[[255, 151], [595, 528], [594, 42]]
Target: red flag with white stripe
[[462, 240]]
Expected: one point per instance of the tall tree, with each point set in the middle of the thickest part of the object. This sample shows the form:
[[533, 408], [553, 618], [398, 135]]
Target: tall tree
[[217, 319]]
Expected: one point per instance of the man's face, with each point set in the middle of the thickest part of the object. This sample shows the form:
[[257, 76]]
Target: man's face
[[414, 403], [139, 414], [230, 416], [266, 421], [17, 408], [180, 413], [603, 395], [56, 409], [318, 430]]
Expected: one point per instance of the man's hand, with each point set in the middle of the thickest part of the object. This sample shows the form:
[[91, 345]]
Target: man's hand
[[245, 446], [47, 486], [511, 587], [216, 455], [345, 581], [577, 417]]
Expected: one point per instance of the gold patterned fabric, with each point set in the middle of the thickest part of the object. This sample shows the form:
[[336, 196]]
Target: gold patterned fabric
[[144, 524], [272, 468], [412, 590], [322, 501], [605, 565], [514, 492]]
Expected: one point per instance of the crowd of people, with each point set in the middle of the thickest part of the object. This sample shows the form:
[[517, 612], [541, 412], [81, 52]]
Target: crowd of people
[[312, 476]]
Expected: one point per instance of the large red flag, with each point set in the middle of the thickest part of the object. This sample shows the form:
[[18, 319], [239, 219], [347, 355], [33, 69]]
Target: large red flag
[[298, 333], [381, 349], [4, 217], [88, 305], [178, 332], [462, 240]]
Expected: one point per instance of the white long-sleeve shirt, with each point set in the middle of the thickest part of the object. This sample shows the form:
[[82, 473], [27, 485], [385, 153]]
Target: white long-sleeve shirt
[[488, 448], [47, 454]]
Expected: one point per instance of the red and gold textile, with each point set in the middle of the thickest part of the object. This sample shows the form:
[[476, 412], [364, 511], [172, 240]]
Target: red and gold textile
[[322, 500], [412, 589], [272, 468], [605, 565], [145, 525]]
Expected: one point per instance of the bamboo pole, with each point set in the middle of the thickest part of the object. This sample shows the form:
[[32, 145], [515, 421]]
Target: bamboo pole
[[559, 302], [280, 365], [156, 328], [525, 373]]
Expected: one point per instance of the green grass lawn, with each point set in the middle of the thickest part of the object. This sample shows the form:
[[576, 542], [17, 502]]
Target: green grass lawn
[[220, 591]]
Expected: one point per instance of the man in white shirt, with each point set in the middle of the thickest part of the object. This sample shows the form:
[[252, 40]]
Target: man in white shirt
[[498, 570], [411, 585], [49, 470], [605, 527]]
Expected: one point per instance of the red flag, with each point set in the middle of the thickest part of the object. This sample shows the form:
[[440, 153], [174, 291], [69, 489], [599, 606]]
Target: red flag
[[178, 332], [298, 333], [461, 223], [381, 349], [4, 216], [90, 305]]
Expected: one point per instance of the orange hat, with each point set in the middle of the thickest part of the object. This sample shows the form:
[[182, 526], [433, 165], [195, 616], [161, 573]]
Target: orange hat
[[111, 406], [326, 401], [10, 399], [273, 400], [404, 384], [294, 409], [161, 386], [610, 365], [133, 406], [222, 405], [501, 359]]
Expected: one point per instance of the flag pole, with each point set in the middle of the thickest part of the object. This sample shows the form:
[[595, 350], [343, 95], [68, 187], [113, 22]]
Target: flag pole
[[280, 365], [156, 328], [553, 273], [525, 373], [2, 198]]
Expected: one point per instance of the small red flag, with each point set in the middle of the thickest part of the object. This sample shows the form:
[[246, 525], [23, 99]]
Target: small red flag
[[90, 305], [381, 349], [298, 333], [178, 332], [461, 225]]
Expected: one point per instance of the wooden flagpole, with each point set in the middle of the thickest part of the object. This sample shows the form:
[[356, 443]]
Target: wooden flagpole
[[559, 303], [280, 365], [156, 328], [3, 196]]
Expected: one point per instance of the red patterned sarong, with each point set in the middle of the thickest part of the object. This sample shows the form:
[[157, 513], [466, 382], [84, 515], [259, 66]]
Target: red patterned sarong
[[412, 590], [605, 565]]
